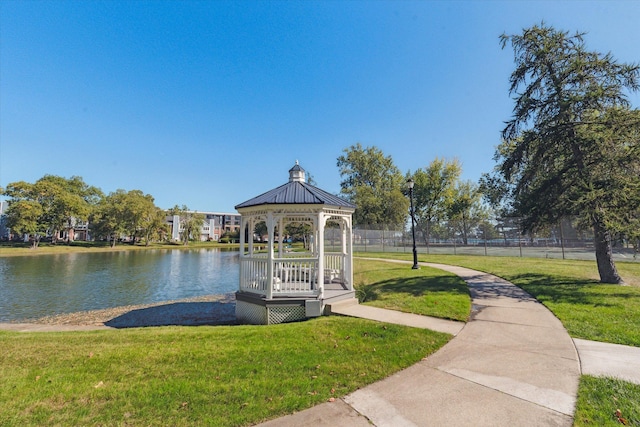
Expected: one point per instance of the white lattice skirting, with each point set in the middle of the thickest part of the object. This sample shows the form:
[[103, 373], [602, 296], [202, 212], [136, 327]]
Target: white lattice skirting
[[270, 315]]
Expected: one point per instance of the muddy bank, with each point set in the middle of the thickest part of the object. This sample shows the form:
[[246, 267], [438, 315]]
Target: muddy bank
[[204, 310]]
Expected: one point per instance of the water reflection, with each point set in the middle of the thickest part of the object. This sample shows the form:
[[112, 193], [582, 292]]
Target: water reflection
[[36, 286]]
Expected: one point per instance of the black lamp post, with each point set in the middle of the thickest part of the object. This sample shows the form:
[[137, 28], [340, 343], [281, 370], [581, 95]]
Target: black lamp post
[[410, 184]]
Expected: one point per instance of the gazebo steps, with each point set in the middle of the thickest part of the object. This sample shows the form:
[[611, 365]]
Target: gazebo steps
[[333, 297]]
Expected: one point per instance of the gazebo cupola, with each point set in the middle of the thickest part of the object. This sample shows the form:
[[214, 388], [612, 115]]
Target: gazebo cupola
[[278, 283]]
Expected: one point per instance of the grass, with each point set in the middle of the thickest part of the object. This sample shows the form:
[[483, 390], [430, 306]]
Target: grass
[[570, 289], [607, 402], [426, 291], [218, 376]]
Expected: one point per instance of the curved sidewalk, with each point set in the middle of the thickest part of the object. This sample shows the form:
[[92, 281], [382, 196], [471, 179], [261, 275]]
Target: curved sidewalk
[[512, 364]]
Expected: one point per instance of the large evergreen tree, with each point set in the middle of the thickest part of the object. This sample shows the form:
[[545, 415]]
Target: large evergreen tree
[[571, 147]]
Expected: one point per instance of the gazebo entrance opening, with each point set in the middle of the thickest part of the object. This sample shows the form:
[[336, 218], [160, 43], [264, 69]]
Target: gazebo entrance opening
[[295, 283]]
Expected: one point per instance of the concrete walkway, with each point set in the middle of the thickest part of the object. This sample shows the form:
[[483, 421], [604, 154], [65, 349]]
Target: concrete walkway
[[513, 363], [609, 360]]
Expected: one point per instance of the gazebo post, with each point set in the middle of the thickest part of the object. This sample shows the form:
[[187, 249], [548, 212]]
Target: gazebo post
[[280, 237], [246, 236], [322, 219], [242, 244], [271, 238], [349, 254]]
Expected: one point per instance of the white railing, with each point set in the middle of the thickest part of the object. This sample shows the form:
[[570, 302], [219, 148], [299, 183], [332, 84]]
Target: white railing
[[295, 274], [253, 274], [334, 267], [291, 276]]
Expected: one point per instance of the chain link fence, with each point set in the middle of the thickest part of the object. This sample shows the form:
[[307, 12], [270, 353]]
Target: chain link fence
[[495, 237]]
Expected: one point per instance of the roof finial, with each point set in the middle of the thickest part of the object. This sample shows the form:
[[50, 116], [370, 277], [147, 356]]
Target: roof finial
[[296, 173]]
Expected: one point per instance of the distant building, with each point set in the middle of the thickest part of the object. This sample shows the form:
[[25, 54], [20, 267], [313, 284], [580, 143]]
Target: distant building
[[4, 230], [215, 225], [76, 230]]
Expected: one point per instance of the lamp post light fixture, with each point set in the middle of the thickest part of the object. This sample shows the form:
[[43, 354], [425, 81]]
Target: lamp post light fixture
[[410, 184]]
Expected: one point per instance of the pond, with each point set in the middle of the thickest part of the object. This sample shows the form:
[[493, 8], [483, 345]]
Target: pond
[[43, 285]]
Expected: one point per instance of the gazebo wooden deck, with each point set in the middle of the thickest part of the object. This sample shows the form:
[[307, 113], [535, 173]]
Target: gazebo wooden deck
[[279, 285]]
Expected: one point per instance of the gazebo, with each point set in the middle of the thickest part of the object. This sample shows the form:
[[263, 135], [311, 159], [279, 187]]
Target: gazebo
[[279, 284]]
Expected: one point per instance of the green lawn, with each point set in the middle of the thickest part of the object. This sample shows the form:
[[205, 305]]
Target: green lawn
[[181, 376], [426, 291], [607, 402]]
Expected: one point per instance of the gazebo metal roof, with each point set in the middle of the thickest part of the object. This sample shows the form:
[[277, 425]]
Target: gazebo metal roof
[[296, 191]]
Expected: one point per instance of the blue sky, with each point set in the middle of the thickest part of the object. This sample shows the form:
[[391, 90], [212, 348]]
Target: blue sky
[[209, 103]]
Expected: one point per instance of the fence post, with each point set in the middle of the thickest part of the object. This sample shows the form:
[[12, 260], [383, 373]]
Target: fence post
[[365, 238], [520, 245], [562, 239], [485, 239]]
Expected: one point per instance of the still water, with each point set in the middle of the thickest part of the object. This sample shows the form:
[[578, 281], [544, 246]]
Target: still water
[[36, 286]]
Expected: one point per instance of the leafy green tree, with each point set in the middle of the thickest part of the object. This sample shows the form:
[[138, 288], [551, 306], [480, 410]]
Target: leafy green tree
[[61, 202], [374, 184], [260, 229], [299, 231], [71, 200], [433, 192], [108, 219], [129, 213], [466, 210], [230, 236], [571, 147], [487, 230], [139, 209], [190, 223], [24, 217], [154, 225]]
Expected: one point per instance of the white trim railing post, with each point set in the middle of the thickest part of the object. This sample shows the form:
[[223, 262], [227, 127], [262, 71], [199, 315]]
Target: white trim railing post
[[270, 227]]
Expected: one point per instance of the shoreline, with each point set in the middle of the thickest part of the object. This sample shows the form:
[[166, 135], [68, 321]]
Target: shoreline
[[203, 310], [8, 251]]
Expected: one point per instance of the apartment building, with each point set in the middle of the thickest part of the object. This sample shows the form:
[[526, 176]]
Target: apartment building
[[215, 225]]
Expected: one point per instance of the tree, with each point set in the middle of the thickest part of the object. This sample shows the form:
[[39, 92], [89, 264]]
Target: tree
[[433, 192], [571, 146], [190, 222], [109, 219], [154, 225], [60, 203], [299, 231], [139, 211], [374, 184], [130, 213], [71, 201], [24, 217], [466, 210]]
